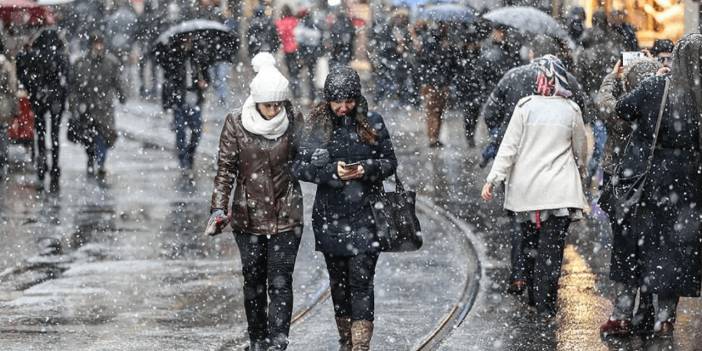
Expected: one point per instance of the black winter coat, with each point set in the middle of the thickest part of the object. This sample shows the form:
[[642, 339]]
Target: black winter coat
[[342, 219], [43, 69], [666, 221], [177, 89]]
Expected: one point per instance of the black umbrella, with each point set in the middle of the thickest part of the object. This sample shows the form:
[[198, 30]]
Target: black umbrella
[[447, 13], [527, 19], [211, 41]]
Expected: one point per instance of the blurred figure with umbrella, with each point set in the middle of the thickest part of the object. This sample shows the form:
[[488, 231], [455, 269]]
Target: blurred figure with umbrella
[[186, 51], [43, 70]]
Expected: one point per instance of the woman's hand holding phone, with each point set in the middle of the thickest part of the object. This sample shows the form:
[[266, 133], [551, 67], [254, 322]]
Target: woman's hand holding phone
[[349, 171]]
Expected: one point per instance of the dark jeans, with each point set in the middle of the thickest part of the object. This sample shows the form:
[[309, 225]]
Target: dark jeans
[[97, 153], [267, 265], [41, 109], [543, 249], [351, 281], [187, 117]]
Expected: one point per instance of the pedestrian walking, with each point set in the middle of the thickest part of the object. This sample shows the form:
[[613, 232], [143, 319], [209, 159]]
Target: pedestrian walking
[[436, 58], [285, 26], [625, 246], [185, 80], [544, 148], [43, 70], [95, 83], [664, 156], [8, 102], [309, 38], [262, 34], [347, 153], [342, 36], [257, 148]]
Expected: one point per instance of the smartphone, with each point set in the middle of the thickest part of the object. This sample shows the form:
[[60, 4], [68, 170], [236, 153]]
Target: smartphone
[[629, 56]]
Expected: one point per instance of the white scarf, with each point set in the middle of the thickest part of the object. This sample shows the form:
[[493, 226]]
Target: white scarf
[[253, 122]]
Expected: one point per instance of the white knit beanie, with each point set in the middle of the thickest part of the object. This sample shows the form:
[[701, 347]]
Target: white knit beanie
[[269, 84]]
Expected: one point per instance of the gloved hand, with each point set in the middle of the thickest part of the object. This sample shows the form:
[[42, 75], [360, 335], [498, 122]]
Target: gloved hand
[[218, 220], [320, 157]]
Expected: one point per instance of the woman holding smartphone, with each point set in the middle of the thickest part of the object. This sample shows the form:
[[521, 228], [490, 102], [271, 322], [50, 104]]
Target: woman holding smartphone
[[257, 148], [347, 152]]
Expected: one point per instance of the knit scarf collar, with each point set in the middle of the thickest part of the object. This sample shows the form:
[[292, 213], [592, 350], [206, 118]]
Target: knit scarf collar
[[253, 122]]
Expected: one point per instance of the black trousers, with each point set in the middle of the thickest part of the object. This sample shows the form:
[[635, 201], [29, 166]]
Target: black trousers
[[543, 251], [351, 281], [268, 264], [55, 110]]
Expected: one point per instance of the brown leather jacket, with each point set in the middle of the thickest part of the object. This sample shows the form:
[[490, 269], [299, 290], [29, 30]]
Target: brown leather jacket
[[267, 198]]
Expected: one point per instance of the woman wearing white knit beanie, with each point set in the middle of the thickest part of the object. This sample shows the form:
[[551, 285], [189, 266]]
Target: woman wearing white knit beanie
[[256, 149]]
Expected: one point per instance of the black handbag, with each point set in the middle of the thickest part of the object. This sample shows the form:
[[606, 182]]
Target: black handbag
[[76, 131], [396, 221], [628, 189]]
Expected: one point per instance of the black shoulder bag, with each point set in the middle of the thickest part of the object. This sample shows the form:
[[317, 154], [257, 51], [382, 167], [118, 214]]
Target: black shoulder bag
[[396, 221], [628, 190]]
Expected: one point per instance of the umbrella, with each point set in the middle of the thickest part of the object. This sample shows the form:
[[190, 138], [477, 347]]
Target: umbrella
[[24, 12], [527, 19], [447, 13], [212, 41]]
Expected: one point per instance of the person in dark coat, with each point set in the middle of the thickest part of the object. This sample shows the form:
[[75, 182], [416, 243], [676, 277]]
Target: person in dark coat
[[665, 219], [342, 35], [624, 30], [44, 70], [498, 54], [391, 44], [624, 247], [185, 81], [262, 34], [348, 153], [436, 57], [95, 83], [256, 150], [469, 90], [309, 37], [149, 27], [575, 24], [602, 49]]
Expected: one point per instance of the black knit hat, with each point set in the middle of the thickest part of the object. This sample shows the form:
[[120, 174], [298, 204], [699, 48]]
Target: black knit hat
[[342, 83], [662, 45]]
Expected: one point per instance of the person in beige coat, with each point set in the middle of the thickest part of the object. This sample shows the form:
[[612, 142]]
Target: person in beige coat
[[542, 162]]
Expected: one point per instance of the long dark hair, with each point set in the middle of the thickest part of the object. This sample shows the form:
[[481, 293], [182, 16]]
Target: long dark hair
[[322, 121], [685, 77]]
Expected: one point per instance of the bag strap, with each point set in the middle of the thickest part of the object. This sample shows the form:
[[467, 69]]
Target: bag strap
[[658, 126]]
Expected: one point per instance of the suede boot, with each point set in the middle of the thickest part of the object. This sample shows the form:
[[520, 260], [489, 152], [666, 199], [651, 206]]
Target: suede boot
[[343, 324], [361, 334]]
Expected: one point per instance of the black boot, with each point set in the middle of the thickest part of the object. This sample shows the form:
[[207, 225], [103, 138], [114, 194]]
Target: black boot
[[54, 186]]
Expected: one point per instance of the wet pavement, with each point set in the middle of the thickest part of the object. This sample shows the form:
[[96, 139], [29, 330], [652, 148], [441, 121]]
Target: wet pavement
[[125, 266]]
